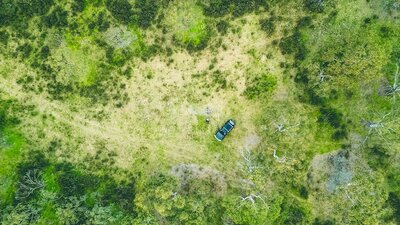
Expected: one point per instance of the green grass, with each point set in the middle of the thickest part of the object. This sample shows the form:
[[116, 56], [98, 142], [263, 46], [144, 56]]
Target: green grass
[[188, 24], [50, 179], [9, 158]]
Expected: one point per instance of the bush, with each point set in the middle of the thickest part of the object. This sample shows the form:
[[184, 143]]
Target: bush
[[219, 79], [394, 201], [301, 77], [316, 6], [44, 52], [34, 160], [331, 116], [121, 10], [217, 8], [340, 134], [289, 45], [260, 86], [293, 213], [78, 6], [294, 44], [304, 22], [7, 12], [102, 23], [268, 25], [147, 11], [25, 50], [4, 36], [34, 7], [222, 27], [72, 182], [121, 194], [242, 7], [319, 221], [57, 18]]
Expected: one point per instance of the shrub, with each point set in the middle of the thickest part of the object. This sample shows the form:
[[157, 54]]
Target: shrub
[[34, 7], [121, 10], [121, 194], [304, 22], [72, 182], [57, 18], [294, 44], [319, 221], [102, 23], [44, 52], [78, 6], [330, 116], [294, 213], [25, 50], [242, 7], [303, 192], [316, 6], [301, 77], [7, 12], [219, 79], [288, 45], [394, 201], [259, 86], [217, 8], [268, 25], [222, 27], [4, 36], [339, 134], [147, 11], [34, 160]]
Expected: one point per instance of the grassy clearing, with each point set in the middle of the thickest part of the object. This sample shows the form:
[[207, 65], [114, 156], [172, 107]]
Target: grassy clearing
[[130, 98]]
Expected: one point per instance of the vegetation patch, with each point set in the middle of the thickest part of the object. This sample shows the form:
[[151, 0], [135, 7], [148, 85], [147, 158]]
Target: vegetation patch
[[260, 86], [188, 25]]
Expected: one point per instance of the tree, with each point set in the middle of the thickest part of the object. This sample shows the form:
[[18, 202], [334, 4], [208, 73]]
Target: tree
[[32, 181]]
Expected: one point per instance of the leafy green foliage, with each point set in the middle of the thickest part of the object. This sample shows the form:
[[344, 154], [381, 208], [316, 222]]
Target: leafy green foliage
[[121, 10], [57, 18], [4, 36], [268, 25], [147, 11], [219, 8], [222, 27], [34, 7], [294, 44], [317, 6]]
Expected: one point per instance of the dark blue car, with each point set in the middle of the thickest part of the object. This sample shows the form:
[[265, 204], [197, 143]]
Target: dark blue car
[[221, 133]]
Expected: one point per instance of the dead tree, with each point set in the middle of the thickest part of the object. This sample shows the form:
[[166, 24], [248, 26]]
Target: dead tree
[[392, 90], [248, 161], [30, 182], [374, 127], [252, 198], [281, 127], [322, 76]]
